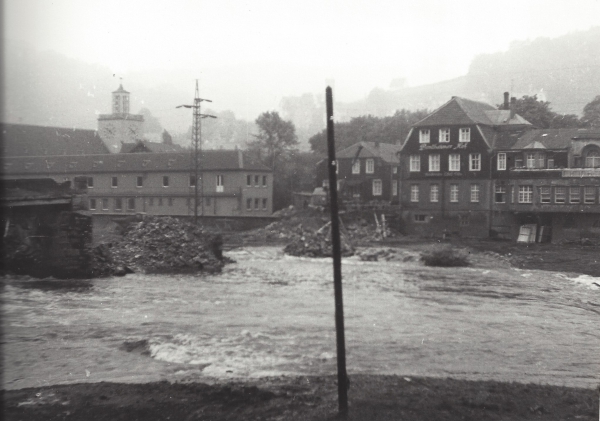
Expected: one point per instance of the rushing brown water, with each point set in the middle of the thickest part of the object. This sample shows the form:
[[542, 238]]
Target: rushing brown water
[[270, 314]]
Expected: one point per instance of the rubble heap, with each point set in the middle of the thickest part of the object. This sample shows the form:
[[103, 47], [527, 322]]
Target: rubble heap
[[161, 245], [309, 243]]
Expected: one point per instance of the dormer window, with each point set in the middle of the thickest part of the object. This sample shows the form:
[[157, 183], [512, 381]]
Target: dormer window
[[444, 135], [356, 167], [592, 159], [424, 136], [464, 134]]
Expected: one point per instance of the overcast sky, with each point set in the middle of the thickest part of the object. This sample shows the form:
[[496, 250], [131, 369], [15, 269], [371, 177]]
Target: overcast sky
[[360, 44]]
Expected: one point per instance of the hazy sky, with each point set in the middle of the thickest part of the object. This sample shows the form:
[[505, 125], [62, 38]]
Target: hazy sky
[[360, 44]]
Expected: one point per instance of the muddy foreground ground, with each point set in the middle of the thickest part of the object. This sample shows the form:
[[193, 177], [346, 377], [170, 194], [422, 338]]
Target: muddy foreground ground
[[315, 398]]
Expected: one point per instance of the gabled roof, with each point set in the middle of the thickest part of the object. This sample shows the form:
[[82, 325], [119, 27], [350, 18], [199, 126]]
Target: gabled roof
[[146, 146], [553, 138], [386, 151], [466, 111], [212, 160], [120, 90], [27, 140]]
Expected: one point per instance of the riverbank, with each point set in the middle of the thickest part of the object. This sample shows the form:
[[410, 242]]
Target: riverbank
[[372, 398]]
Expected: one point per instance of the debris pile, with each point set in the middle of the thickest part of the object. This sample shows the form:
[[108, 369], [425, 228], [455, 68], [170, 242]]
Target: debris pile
[[387, 254], [317, 244], [161, 245]]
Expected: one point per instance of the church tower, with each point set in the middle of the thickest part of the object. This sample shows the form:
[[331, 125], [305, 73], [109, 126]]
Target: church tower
[[120, 126]]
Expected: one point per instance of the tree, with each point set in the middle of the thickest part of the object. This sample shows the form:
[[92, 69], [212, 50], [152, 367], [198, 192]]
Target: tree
[[276, 138], [591, 113], [540, 115]]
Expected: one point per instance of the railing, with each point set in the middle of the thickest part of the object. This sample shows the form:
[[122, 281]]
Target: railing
[[581, 172]]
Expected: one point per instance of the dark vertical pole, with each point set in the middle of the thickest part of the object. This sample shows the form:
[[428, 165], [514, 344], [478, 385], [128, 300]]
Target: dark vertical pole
[[337, 262]]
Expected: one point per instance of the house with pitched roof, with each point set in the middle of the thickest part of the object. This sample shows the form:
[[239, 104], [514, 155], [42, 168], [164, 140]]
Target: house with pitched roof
[[550, 179], [446, 166], [231, 184], [367, 173]]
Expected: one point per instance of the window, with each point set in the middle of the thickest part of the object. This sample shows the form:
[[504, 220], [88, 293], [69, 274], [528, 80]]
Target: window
[[500, 193], [414, 193], [501, 164], [454, 162], [170, 201], [475, 190], [160, 201], [356, 167], [589, 194], [90, 182], [394, 187], [248, 204], [92, 204], [220, 186], [560, 194], [256, 204], [574, 194], [434, 193], [264, 203], [370, 166], [131, 204], [434, 162], [592, 159], [444, 135], [415, 163], [530, 160], [550, 163], [114, 182], [165, 181], [420, 218], [424, 136], [377, 187], [545, 195], [525, 194], [104, 204], [541, 160], [464, 134], [192, 181], [475, 162], [140, 181], [257, 181], [118, 204], [395, 170], [264, 181], [464, 220], [518, 162], [249, 180], [326, 184], [454, 193]]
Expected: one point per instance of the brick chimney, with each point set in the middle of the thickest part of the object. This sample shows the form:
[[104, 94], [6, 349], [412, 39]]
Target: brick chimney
[[506, 106], [513, 106]]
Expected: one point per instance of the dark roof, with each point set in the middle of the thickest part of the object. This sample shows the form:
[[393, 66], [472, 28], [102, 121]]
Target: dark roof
[[553, 138], [386, 151], [27, 140], [466, 111], [146, 146], [212, 160], [120, 90]]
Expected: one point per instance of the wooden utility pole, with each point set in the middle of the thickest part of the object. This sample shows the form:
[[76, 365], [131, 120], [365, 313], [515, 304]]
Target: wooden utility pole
[[337, 262]]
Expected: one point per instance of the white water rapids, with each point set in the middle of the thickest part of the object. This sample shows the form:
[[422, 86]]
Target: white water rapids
[[270, 314]]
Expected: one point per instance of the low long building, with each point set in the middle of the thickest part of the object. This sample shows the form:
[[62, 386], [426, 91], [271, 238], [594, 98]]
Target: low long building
[[230, 184]]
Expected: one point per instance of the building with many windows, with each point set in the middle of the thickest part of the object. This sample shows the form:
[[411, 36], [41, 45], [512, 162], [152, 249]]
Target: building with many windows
[[367, 173], [230, 183], [446, 166]]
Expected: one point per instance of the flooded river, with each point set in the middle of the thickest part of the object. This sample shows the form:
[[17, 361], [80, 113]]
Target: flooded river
[[270, 314]]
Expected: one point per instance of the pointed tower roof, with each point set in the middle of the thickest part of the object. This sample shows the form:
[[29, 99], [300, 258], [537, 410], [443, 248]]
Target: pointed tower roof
[[120, 90]]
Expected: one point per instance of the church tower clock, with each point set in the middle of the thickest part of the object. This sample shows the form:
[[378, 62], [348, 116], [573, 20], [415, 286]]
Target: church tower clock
[[120, 126]]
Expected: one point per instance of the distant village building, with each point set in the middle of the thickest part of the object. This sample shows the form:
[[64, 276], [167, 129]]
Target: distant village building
[[127, 174]]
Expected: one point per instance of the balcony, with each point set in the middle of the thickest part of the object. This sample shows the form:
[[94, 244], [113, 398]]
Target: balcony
[[580, 172]]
